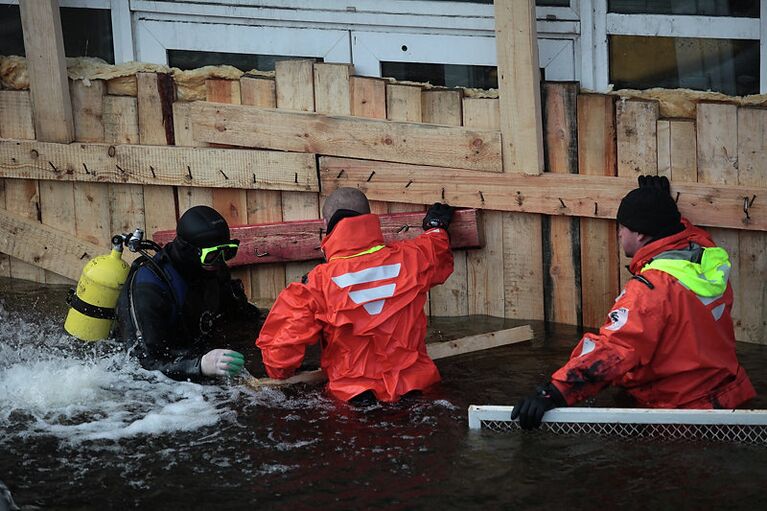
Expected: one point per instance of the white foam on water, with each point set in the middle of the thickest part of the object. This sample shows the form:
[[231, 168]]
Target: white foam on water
[[52, 384]]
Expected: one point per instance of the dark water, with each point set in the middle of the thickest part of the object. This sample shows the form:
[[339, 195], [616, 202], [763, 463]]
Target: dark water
[[83, 427]]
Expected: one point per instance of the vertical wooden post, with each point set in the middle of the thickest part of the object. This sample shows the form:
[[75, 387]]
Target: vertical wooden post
[[47, 68], [267, 280], [51, 105], [451, 298], [294, 82], [599, 245], [485, 266], [751, 291], [561, 234], [717, 131], [522, 142]]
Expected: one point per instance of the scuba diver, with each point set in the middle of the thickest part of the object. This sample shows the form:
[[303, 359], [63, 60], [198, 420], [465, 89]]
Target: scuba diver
[[175, 305]]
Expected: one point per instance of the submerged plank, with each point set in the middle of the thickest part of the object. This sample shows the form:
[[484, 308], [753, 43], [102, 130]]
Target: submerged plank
[[436, 351]]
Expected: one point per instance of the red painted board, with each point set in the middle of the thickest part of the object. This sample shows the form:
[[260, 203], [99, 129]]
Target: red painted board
[[300, 240]]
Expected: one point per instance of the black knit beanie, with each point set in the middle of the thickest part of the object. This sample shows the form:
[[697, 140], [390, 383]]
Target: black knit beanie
[[650, 211]]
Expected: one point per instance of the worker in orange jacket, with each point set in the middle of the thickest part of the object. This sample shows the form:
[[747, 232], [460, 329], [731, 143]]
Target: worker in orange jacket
[[365, 304], [669, 338]]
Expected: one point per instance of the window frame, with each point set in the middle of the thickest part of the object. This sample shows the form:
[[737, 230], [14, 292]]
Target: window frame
[[606, 24]]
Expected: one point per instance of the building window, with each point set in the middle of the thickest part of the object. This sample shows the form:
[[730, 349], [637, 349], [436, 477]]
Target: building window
[[184, 59], [87, 32], [721, 65], [447, 75], [736, 8]]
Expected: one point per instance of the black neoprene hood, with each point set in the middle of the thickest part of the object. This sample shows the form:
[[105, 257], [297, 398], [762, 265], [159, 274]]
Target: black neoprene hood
[[202, 226]]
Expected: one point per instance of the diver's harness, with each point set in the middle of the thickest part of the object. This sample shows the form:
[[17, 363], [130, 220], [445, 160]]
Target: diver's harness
[[136, 243]]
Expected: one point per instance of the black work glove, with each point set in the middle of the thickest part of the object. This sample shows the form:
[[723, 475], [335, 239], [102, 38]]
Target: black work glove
[[438, 215], [530, 410], [657, 182]]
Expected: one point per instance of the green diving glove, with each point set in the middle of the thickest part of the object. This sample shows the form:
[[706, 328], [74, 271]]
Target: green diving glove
[[220, 362]]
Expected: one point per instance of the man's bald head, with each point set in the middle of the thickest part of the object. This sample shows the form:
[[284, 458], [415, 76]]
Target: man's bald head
[[345, 198]]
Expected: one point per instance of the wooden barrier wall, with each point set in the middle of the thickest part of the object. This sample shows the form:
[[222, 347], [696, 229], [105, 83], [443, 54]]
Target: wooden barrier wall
[[569, 270]]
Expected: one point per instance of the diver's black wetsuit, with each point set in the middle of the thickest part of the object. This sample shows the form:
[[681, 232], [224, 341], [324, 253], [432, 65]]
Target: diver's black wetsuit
[[181, 312]]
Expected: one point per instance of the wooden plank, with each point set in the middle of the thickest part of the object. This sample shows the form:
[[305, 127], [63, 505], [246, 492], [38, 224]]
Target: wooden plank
[[636, 126], [682, 141], [91, 211], [373, 139], [44, 246], [442, 107], [472, 343], [751, 290], [485, 266], [368, 99], [582, 195], [258, 91], [664, 147], [521, 128], [264, 206], [47, 68], [5, 259], [231, 203], [451, 298], [637, 143], [519, 87], [156, 93], [436, 351], [561, 240], [332, 88], [717, 134], [599, 245], [294, 85], [52, 109], [299, 240], [21, 195], [403, 103], [164, 165], [188, 196]]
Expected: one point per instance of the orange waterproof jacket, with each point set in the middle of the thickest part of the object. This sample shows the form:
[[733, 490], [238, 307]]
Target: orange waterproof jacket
[[669, 339], [366, 306]]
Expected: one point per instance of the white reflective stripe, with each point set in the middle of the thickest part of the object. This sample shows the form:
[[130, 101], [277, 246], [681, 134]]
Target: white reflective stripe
[[388, 271], [588, 347], [707, 301], [374, 308], [374, 293], [718, 311]]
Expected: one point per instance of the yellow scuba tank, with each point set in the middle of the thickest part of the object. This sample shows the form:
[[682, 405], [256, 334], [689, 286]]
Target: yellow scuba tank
[[92, 305]]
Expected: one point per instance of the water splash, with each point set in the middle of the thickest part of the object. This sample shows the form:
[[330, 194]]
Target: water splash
[[52, 384]]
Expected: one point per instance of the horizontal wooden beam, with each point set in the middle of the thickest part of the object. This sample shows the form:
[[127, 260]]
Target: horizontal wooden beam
[[550, 194], [300, 240], [436, 350], [353, 137], [43, 246], [159, 165]]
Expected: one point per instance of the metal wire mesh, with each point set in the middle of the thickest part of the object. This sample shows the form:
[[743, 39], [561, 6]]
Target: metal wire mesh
[[737, 433]]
